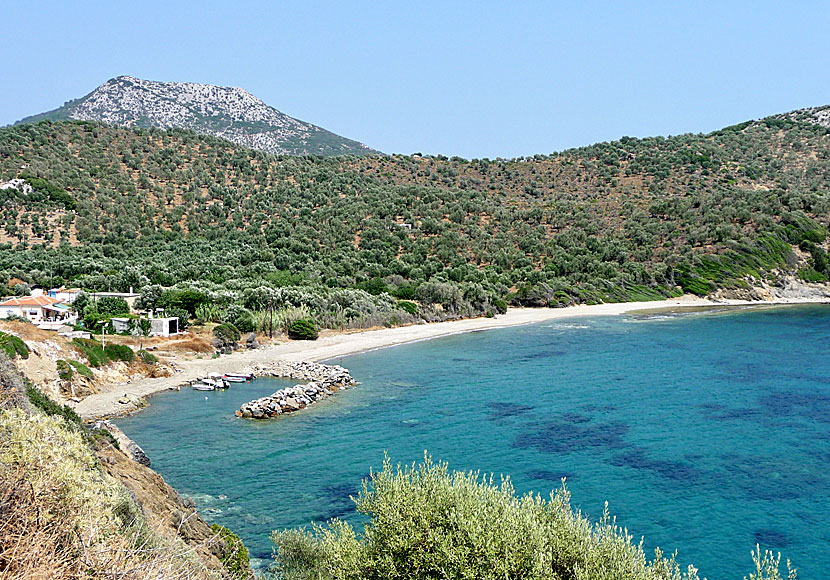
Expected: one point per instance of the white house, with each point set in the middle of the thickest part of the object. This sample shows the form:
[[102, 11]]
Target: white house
[[66, 295], [38, 309]]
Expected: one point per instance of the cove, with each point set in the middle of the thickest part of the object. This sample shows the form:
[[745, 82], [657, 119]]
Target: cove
[[706, 433]]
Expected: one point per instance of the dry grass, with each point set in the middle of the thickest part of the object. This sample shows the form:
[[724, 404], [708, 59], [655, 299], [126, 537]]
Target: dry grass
[[40, 538], [28, 331], [61, 517]]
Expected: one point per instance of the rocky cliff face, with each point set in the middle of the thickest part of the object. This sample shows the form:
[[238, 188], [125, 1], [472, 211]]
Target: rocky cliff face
[[227, 112]]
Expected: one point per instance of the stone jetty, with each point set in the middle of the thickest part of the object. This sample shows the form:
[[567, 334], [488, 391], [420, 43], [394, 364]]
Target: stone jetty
[[323, 381]]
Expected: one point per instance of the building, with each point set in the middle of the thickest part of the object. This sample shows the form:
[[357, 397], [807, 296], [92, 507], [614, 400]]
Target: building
[[66, 295], [130, 296], [164, 326], [158, 326], [38, 309]]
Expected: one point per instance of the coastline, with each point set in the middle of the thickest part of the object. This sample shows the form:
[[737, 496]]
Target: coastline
[[337, 344]]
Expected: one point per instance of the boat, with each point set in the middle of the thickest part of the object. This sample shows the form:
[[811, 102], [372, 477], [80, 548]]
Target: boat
[[234, 379], [210, 384], [243, 376]]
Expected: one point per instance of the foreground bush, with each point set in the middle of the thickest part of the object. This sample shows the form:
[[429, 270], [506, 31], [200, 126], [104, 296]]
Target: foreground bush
[[426, 522]]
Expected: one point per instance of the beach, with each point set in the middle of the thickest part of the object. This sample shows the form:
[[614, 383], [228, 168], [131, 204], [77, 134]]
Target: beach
[[332, 345]]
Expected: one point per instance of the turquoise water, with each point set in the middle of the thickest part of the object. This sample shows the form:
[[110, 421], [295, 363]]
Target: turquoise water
[[706, 433]]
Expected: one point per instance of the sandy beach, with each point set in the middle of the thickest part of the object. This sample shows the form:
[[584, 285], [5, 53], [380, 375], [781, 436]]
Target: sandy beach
[[336, 344]]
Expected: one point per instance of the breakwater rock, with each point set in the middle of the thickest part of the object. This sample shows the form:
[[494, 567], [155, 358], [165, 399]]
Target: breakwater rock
[[324, 381]]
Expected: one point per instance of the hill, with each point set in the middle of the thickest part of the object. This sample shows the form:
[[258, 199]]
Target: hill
[[632, 219], [230, 113]]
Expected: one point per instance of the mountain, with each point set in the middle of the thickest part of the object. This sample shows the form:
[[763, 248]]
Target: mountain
[[231, 113]]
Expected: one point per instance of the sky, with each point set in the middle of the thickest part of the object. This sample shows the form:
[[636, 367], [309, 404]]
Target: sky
[[473, 79]]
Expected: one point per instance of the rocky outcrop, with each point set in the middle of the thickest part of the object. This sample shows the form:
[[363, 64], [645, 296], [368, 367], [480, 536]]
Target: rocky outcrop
[[127, 445], [781, 288], [324, 381]]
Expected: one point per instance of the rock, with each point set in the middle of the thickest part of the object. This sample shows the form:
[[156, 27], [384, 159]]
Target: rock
[[323, 381], [251, 341]]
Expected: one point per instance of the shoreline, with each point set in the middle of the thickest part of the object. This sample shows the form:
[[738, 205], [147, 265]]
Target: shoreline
[[339, 344]]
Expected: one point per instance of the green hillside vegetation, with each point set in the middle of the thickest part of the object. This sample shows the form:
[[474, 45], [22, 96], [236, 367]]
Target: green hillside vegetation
[[348, 237]]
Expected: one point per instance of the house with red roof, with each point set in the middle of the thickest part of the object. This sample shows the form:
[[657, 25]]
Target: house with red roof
[[38, 309]]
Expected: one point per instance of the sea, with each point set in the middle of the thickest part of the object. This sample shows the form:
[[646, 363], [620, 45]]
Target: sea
[[707, 433]]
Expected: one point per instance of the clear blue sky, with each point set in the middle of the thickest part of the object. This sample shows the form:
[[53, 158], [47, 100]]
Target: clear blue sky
[[475, 79]]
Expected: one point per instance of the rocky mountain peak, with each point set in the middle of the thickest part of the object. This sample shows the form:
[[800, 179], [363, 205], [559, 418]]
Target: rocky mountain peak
[[228, 112]]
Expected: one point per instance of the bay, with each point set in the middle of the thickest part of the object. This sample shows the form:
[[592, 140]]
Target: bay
[[707, 433]]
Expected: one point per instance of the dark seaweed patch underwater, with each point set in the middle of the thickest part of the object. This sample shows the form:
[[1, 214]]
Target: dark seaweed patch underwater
[[706, 434]]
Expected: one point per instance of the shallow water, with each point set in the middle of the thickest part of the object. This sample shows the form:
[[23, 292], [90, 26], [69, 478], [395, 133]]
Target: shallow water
[[706, 433]]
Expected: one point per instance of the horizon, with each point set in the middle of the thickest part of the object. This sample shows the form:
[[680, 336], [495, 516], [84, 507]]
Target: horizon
[[483, 82]]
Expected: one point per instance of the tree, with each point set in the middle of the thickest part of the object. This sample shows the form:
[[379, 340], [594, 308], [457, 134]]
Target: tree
[[150, 296], [109, 306]]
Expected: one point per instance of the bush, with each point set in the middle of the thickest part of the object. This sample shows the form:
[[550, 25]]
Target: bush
[[81, 368], [303, 329], [240, 317], [64, 370], [426, 522], [227, 333], [235, 559], [408, 306], [147, 358], [39, 399], [119, 352], [95, 355], [12, 345]]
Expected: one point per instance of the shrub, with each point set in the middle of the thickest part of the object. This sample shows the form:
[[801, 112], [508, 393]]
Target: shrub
[[427, 522], [227, 333], [64, 370], [500, 305], [95, 355], [39, 399], [303, 329], [235, 559], [12, 345], [240, 317], [81, 368], [408, 306], [147, 358], [120, 352]]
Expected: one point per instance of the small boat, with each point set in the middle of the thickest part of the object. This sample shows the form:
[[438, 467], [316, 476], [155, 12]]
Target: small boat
[[243, 376], [211, 384], [234, 379]]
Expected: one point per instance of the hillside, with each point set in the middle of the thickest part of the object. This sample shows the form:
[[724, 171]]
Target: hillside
[[230, 113], [631, 219]]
